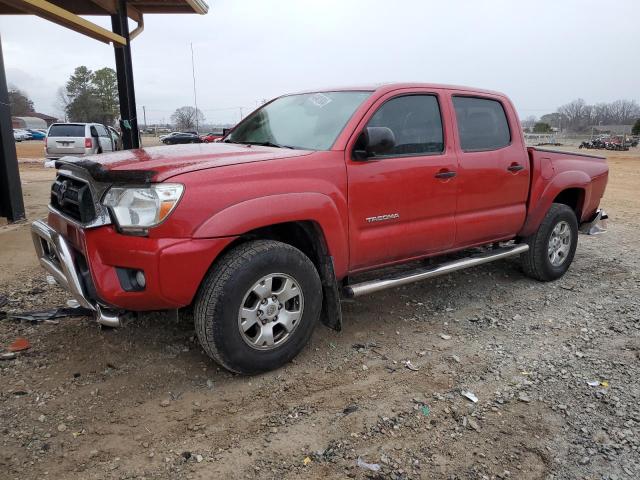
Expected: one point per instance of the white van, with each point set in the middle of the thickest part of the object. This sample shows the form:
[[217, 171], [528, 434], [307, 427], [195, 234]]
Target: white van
[[77, 139]]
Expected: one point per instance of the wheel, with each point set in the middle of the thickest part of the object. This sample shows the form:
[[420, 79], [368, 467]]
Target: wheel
[[258, 306], [553, 246]]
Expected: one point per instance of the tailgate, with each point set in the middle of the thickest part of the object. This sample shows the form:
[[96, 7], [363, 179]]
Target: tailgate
[[65, 145]]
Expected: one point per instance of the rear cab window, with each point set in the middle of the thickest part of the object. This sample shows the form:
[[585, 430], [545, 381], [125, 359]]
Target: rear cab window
[[66, 130], [482, 124], [416, 123]]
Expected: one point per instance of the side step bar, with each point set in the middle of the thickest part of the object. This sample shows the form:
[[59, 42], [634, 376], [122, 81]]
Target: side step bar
[[371, 286]]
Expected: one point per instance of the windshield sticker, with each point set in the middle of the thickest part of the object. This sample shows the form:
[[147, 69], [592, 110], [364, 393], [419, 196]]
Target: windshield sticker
[[319, 100]]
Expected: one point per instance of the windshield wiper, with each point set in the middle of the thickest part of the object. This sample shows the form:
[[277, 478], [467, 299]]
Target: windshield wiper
[[268, 144]]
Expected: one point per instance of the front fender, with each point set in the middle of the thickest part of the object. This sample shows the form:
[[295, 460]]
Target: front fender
[[289, 207], [543, 196]]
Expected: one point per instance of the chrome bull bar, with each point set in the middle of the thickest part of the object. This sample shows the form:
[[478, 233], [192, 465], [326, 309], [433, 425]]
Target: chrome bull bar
[[56, 257]]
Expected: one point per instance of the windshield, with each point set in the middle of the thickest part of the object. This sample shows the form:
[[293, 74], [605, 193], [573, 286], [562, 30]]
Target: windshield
[[309, 121]]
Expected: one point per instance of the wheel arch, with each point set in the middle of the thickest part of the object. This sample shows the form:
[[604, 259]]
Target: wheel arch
[[571, 188], [308, 237]]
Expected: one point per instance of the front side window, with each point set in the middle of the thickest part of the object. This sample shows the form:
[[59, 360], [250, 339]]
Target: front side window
[[102, 131], [415, 122], [482, 124], [310, 121]]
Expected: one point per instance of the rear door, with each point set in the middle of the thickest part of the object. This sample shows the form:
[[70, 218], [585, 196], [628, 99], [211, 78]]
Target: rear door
[[493, 179], [400, 204], [66, 139]]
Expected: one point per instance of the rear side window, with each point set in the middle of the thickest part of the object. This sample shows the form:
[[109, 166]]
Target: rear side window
[[66, 130], [416, 123], [482, 124]]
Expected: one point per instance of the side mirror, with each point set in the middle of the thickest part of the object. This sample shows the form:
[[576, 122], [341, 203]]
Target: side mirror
[[374, 141]]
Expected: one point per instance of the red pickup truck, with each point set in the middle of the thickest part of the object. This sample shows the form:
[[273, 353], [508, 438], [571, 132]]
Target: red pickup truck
[[265, 232]]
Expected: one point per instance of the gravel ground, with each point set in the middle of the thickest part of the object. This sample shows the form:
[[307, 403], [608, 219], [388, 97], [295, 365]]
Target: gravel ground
[[554, 368]]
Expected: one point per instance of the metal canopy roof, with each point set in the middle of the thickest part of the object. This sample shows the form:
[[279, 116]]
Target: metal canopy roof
[[108, 7], [67, 13]]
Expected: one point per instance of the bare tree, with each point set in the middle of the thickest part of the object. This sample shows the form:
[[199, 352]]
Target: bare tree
[[62, 101], [624, 112], [184, 118], [574, 111], [529, 122]]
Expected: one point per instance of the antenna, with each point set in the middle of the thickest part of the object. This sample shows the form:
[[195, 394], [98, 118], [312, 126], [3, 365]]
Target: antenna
[[195, 97]]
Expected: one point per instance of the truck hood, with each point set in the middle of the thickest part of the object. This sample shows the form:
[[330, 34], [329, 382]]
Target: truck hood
[[156, 164]]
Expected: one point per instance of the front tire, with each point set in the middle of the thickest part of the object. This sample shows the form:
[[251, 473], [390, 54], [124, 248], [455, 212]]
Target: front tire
[[258, 306], [553, 246]]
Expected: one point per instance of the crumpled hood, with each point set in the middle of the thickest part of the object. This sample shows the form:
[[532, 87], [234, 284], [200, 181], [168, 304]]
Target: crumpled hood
[[162, 162]]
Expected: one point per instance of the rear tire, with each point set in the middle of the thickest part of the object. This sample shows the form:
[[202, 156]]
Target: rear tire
[[258, 306], [553, 246]]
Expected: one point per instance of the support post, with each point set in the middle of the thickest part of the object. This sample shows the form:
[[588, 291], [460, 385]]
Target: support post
[[124, 73], [11, 203]]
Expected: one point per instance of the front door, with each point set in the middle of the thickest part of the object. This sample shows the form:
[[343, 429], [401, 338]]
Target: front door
[[402, 204], [106, 142]]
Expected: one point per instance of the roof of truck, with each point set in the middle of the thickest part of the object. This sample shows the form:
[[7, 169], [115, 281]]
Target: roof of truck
[[388, 87]]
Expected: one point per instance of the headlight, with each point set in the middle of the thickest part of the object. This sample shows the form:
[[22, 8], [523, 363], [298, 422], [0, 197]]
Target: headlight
[[139, 208]]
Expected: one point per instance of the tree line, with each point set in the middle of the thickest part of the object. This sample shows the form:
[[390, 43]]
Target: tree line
[[579, 116]]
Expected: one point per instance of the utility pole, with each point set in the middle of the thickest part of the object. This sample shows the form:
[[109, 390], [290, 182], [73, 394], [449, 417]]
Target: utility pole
[[240, 108], [195, 97], [144, 114]]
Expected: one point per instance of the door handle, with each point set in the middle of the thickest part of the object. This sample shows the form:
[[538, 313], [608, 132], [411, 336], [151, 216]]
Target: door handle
[[516, 167], [446, 174]]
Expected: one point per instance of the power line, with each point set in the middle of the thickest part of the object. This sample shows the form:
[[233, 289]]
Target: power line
[[195, 97]]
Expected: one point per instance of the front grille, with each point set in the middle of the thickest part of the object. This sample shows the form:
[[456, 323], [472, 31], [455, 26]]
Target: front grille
[[73, 198]]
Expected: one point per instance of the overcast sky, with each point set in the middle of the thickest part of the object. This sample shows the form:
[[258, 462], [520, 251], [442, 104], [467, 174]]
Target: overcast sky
[[541, 53]]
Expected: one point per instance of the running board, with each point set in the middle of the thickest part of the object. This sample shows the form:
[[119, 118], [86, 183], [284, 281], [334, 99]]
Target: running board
[[371, 286]]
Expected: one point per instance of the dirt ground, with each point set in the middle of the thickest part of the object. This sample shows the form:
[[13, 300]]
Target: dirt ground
[[555, 368]]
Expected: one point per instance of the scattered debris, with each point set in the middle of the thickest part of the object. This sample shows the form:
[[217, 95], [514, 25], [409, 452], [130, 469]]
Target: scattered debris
[[472, 424], [444, 336], [470, 396], [73, 303], [165, 403], [62, 427], [411, 366], [374, 467], [48, 315], [19, 344], [306, 461], [7, 356], [594, 383], [350, 409], [455, 358], [425, 410], [199, 458], [523, 397]]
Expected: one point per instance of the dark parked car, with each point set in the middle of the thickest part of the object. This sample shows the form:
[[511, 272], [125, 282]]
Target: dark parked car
[[181, 137]]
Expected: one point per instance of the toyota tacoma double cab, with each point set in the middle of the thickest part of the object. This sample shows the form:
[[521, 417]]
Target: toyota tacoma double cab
[[266, 231]]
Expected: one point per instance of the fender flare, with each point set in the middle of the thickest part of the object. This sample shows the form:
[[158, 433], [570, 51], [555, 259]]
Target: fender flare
[[561, 182], [269, 210]]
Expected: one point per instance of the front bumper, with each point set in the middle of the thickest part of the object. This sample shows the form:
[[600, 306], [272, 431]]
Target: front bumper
[[85, 263], [597, 224]]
